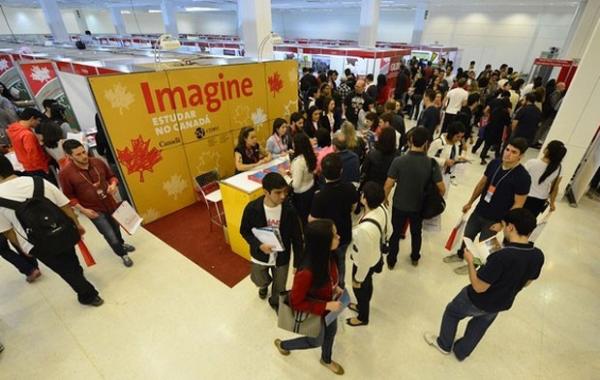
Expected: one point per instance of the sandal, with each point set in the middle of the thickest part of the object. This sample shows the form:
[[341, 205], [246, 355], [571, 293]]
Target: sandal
[[355, 324], [352, 306]]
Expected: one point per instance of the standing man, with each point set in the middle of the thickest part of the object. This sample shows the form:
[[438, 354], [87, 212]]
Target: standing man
[[492, 288], [455, 100], [354, 102], [527, 120], [64, 261], [336, 201], [271, 210], [430, 116], [27, 147], [91, 186], [350, 160], [504, 186], [410, 173]]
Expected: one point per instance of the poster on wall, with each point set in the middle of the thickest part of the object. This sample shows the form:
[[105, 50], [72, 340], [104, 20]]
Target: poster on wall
[[9, 77], [391, 68], [168, 127], [42, 80]]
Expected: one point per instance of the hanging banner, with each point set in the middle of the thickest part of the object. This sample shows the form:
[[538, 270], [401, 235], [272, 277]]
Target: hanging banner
[[9, 77], [393, 70], [43, 83], [168, 127]]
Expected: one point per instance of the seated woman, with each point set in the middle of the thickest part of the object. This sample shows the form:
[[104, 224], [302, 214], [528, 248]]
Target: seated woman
[[278, 144], [248, 154]]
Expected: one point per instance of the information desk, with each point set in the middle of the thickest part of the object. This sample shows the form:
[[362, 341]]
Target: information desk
[[237, 192]]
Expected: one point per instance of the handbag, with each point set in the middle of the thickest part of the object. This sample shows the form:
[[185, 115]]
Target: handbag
[[295, 321], [433, 202]]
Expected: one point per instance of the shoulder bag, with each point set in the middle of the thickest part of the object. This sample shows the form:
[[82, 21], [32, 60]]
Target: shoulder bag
[[433, 202]]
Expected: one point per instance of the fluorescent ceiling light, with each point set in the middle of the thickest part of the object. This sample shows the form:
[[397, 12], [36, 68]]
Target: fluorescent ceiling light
[[154, 11], [200, 9], [125, 12]]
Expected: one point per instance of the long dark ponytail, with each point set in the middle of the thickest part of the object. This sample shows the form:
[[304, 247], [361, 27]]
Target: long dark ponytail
[[555, 152], [318, 235]]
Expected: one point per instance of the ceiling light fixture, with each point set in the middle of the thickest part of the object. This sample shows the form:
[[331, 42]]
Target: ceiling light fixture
[[154, 11], [200, 9]]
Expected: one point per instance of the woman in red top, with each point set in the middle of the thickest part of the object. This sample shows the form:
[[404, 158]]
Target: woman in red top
[[315, 289]]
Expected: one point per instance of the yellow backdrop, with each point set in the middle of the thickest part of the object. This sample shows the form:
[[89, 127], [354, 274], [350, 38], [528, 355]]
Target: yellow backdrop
[[168, 127]]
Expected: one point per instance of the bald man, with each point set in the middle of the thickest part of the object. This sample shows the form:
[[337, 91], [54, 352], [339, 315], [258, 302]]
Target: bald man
[[355, 101]]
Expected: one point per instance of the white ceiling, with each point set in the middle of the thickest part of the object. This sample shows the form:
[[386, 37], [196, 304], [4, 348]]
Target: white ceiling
[[287, 4]]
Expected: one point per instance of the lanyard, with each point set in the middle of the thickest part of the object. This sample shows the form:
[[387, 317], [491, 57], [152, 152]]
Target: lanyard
[[279, 142], [504, 176], [90, 181]]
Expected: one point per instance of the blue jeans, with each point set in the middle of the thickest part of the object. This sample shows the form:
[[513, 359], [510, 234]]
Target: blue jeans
[[460, 308], [341, 261], [324, 340], [24, 264], [109, 228]]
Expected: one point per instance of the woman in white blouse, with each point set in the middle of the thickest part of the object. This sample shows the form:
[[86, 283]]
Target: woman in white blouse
[[304, 163], [278, 144], [545, 178]]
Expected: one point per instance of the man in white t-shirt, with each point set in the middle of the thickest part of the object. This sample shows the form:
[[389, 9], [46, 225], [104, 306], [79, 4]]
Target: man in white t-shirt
[[65, 262], [455, 100], [272, 211]]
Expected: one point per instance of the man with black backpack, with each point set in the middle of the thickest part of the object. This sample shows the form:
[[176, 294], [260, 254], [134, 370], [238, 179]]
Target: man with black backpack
[[369, 241], [37, 220], [412, 174]]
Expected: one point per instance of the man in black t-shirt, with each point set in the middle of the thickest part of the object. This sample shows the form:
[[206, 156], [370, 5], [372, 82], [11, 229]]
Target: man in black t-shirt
[[504, 186], [336, 201], [492, 288], [527, 120], [430, 117], [354, 102]]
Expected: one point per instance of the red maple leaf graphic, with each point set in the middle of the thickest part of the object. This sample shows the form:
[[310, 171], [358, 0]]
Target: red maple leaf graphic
[[275, 83], [141, 158]]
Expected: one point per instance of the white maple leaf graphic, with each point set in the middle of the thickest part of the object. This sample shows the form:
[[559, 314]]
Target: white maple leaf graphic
[[290, 108], [40, 74], [241, 115], [175, 186], [209, 159], [3, 65], [119, 97], [293, 75], [259, 116], [150, 215]]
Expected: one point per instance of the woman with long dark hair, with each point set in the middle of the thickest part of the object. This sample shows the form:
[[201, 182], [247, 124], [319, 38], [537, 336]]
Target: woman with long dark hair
[[331, 119], [545, 178], [312, 124], [315, 290], [278, 144], [303, 166], [379, 160], [248, 154]]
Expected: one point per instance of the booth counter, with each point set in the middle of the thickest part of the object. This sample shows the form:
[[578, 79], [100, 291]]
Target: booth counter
[[237, 191]]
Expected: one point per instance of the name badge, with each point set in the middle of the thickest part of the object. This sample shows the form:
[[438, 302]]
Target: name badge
[[489, 194]]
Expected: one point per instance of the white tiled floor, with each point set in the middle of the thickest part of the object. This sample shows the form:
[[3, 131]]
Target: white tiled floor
[[168, 318]]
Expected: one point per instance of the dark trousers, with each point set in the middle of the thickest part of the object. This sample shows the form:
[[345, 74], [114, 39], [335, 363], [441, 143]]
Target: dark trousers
[[67, 266], [460, 308], [341, 261], [24, 264], [399, 218], [476, 225], [109, 228], [448, 119], [535, 205], [363, 295], [478, 144], [302, 202], [488, 145], [416, 100], [324, 340]]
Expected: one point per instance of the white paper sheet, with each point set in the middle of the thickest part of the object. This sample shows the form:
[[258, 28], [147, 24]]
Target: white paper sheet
[[128, 218]]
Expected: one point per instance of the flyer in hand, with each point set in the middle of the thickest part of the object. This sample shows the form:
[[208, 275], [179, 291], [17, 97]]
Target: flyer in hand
[[483, 249]]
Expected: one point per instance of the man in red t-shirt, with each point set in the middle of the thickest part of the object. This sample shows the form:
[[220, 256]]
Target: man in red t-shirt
[[90, 186], [27, 147]]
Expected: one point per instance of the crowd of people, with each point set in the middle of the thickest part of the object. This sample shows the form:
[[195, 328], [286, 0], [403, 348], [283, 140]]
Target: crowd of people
[[359, 179]]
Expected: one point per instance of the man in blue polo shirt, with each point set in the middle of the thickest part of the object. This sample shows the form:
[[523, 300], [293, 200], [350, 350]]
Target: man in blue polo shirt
[[504, 186], [493, 287]]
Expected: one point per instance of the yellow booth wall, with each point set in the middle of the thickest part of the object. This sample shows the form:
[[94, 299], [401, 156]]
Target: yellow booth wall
[[168, 127]]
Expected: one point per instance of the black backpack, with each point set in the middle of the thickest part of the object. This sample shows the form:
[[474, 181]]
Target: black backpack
[[433, 202], [80, 45], [48, 228]]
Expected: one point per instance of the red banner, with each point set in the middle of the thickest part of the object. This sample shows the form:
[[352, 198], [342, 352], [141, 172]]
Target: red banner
[[41, 77]]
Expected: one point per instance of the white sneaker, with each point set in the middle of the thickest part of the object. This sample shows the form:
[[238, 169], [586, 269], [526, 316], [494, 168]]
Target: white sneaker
[[431, 340], [452, 259]]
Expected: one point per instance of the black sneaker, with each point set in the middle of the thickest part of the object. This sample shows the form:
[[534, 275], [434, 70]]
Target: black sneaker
[[97, 301], [128, 247], [414, 263], [127, 261], [262, 293]]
